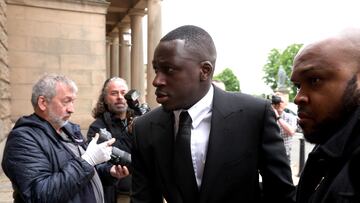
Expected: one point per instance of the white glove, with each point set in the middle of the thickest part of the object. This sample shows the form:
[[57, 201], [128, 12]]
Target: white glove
[[98, 153]]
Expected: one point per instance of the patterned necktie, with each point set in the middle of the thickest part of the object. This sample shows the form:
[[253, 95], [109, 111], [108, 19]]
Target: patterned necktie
[[183, 166]]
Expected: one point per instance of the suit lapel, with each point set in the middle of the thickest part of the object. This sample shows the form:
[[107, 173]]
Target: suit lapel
[[163, 141], [221, 110], [162, 131]]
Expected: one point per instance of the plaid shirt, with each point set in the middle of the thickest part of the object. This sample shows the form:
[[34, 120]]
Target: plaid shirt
[[292, 121]]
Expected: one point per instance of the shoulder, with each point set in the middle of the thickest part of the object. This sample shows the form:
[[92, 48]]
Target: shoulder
[[95, 127], [27, 138], [98, 122], [237, 100], [236, 96], [29, 127], [157, 115], [23, 132]]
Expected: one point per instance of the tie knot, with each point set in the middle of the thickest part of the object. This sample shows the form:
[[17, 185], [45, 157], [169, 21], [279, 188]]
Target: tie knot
[[184, 118]]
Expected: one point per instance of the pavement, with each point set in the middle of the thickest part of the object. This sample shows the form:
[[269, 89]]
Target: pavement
[[295, 155], [6, 189]]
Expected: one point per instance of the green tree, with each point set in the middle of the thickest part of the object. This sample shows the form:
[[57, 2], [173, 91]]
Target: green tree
[[276, 58], [229, 79]]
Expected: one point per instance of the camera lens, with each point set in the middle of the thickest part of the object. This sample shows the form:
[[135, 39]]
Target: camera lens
[[275, 99]]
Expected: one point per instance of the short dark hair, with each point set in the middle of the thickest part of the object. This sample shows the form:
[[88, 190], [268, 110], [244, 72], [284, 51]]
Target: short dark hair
[[195, 38]]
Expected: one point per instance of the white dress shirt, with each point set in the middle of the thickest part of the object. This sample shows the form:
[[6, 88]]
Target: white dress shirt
[[200, 114]]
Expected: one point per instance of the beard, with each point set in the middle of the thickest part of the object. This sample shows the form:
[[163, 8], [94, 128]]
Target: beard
[[55, 120], [328, 127], [116, 110]]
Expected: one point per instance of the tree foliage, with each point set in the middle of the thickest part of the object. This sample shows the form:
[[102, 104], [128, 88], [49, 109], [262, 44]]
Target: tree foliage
[[276, 58], [229, 79]]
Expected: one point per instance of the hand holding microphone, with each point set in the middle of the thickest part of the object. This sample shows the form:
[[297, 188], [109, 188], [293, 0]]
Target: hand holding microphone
[[98, 153]]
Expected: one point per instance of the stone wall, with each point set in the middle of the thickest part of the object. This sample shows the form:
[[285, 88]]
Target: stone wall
[[5, 123], [56, 36]]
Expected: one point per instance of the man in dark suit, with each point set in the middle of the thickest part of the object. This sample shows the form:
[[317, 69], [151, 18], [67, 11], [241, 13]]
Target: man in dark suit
[[233, 136]]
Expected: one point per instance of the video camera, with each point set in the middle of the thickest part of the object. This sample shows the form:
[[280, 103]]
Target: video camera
[[275, 99], [118, 156], [134, 104]]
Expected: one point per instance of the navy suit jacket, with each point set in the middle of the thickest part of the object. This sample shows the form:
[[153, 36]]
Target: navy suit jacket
[[244, 140]]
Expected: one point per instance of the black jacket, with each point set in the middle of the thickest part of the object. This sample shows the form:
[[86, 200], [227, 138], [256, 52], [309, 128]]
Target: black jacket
[[42, 169], [331, 173], [244, 140], [118, 130], [116, 127]]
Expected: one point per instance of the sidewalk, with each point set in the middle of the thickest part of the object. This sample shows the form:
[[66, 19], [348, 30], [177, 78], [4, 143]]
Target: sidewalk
[[5, 189]]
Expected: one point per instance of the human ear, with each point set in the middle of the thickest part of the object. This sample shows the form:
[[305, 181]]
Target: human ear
[[42, 103], [206, 70], [358, 79]]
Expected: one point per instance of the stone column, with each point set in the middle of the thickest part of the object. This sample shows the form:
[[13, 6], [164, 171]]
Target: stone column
[[154, 35], [137, 58], [108, 54], [114, 67], [124, 60]]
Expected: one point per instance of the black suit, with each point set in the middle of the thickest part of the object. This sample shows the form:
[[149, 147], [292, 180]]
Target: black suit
[[244, 139]]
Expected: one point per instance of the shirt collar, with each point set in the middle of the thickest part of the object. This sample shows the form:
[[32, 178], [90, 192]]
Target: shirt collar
[[200, 109]]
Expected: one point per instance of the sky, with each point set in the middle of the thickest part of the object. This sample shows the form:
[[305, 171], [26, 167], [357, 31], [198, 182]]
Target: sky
[[244, 32]]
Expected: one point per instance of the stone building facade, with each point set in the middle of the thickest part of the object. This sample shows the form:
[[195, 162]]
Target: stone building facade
[[63, 37], [77, 38], [5, 122]]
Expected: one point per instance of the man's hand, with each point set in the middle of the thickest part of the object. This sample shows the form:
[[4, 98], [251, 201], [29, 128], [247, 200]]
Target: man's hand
[[119, 172], [130, 124], [98, 153], [275, 108]]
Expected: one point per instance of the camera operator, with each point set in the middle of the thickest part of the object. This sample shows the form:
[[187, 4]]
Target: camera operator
[[286, 121], [111, 113]]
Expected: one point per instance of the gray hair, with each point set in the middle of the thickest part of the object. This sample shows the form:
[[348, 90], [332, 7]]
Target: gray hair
[[46, 86]]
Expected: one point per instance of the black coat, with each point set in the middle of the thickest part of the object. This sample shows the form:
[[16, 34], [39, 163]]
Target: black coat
[[244, 140], [331, 173], [116, 127], [42, 169], [118, 130]]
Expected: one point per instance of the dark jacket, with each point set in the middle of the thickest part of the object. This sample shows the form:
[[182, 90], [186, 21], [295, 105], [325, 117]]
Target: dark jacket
[[331, 173], [118, 130], [244, 140], [42, 169], [116, 127]]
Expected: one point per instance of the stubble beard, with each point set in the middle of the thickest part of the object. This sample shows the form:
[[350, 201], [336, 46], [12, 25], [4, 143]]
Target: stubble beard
[[328, 127], [55, 120], [113, 109]]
